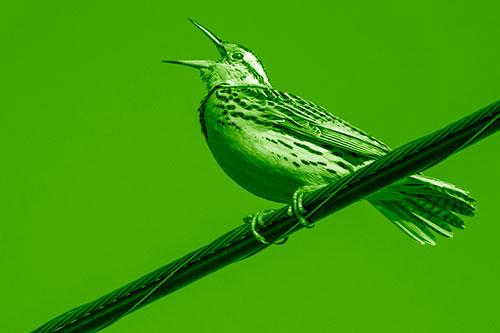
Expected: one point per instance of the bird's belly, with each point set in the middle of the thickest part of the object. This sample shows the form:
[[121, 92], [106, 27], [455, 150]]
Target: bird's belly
[[267, 163]]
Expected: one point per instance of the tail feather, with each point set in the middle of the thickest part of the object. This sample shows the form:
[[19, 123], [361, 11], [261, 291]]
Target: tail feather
[[423, 204], [404, 220], [446, 188], [444, 216], [456, 198], [437, 225], [435, 202]]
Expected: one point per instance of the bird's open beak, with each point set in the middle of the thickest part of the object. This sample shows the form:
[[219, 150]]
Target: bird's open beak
[[202, 63]]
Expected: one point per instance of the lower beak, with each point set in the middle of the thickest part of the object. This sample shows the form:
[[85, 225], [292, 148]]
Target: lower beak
[[191, 63]]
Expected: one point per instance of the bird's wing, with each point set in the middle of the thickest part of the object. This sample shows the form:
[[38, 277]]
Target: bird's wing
[[303, 118]]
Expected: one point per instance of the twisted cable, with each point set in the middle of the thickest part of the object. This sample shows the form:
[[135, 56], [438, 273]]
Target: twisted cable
[[240, 243]]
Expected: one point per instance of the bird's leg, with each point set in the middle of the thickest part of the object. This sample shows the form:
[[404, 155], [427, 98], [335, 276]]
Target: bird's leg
[[297, 206], [257, 218]]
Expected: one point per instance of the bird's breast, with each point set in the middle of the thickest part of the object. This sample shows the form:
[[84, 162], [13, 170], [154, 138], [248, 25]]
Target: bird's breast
[[268, 163]]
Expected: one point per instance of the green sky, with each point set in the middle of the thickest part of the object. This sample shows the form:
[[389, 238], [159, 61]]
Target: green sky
[[105, 175]]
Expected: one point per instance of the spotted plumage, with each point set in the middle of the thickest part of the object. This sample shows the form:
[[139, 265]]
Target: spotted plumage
[[273, 143], [270, 129]]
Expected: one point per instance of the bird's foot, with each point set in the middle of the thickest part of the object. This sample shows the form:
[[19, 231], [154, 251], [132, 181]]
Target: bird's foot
[[297, 206], [258, 218]]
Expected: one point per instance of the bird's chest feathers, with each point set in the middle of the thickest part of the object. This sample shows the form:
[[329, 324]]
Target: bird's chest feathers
[[231, 122], [242, 136], [244, 145]]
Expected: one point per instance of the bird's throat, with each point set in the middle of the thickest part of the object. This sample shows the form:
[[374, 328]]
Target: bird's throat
[[232, 76]]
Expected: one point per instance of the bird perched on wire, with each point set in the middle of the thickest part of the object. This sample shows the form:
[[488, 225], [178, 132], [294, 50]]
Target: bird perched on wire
[[280, 146]]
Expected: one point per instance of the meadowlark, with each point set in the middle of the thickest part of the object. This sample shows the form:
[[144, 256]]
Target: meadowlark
[[280, 146]]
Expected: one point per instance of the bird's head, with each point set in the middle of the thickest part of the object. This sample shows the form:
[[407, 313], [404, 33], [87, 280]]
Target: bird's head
[[238, 66]]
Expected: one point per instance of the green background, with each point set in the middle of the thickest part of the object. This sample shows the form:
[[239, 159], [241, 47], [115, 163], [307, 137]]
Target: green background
[[105, 175]]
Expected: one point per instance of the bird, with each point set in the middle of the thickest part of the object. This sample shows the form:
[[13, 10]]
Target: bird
[[280, 146]]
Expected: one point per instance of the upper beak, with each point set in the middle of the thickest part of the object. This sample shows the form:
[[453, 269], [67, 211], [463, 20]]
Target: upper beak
[[202, 63], [216, 40]]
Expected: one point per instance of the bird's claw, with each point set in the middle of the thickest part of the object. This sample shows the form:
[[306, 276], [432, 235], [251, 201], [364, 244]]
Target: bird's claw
[[295, 209], [257, 218], [297, 206]]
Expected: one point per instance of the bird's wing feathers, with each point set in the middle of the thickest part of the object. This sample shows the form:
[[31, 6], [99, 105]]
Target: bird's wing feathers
[[306, 119]]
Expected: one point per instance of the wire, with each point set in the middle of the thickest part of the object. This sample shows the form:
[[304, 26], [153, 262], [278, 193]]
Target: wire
[[240, 242]]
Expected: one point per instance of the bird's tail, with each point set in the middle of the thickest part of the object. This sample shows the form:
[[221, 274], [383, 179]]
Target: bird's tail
[[421, 204]]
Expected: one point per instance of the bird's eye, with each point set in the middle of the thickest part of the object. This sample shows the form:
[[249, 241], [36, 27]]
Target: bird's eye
[[237, 56]]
